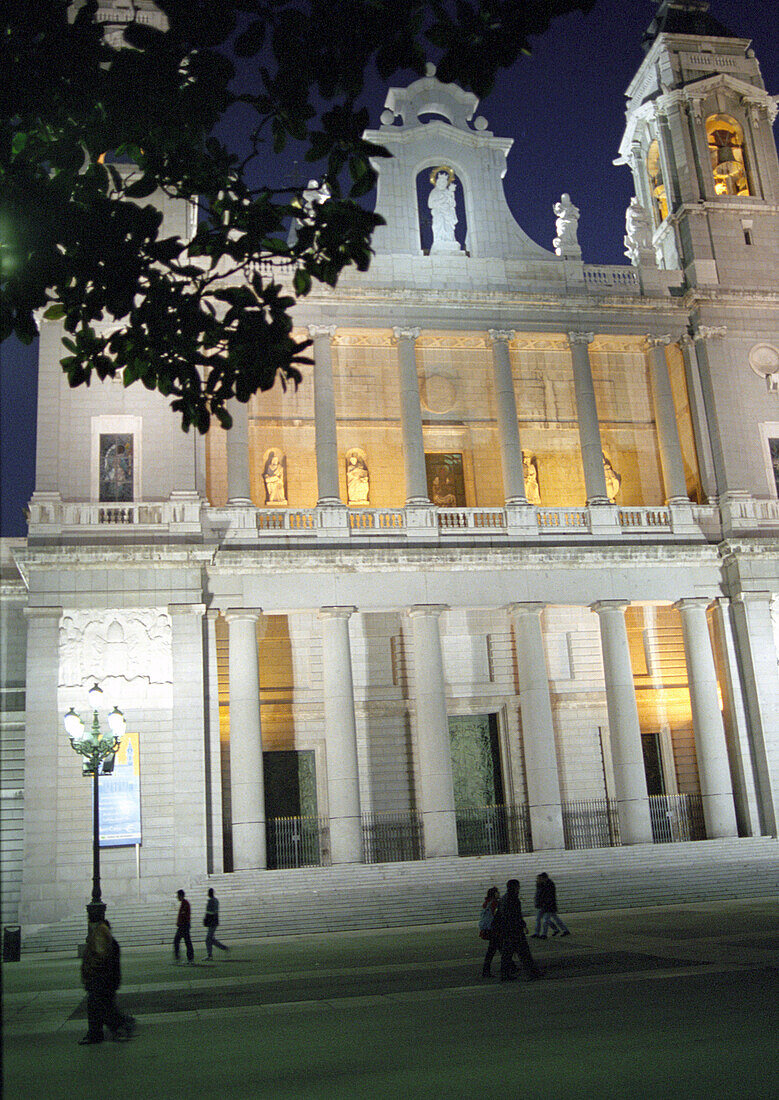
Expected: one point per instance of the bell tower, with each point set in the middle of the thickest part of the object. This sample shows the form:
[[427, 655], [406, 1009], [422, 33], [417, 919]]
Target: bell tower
[[699, 142]]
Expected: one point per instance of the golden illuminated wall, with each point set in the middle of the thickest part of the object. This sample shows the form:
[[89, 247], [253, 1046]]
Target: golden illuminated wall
[[367, 406], [457, 393], [456, 386], [662, 693], [620, 373], [548, 426]]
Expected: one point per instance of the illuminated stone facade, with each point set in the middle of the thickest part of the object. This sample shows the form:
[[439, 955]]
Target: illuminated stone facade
[[503, 570]]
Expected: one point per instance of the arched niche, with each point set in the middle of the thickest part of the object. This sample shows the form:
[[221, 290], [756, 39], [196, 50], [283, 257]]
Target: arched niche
[[441, 209]]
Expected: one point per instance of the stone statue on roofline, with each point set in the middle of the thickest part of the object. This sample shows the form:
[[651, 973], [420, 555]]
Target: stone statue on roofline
[[566, 225], [638, 236]]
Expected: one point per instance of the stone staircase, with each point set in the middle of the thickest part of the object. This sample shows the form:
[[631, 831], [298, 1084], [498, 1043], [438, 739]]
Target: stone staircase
[[320, 899]]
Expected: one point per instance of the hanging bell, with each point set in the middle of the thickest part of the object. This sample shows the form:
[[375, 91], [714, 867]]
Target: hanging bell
[[726, 164]]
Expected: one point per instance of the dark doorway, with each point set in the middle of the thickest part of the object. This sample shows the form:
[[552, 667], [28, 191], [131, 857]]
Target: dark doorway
[[290, 793], [653, 763]]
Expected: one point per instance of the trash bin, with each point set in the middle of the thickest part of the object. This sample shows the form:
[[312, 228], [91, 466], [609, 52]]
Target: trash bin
[[12, 943]]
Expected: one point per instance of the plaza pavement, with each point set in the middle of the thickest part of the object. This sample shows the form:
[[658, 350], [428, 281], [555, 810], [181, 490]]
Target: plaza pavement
[[679, 1001]]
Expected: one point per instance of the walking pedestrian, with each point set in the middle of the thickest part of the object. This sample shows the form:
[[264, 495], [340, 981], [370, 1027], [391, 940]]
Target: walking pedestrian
[[211, 921], [546, 904], [513, 940], [183, 924], [489, 928], [101, 975]]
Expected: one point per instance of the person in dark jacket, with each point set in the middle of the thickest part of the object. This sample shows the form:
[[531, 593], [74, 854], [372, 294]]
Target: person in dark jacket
[[183, 923], [513, 940], [546, 904], [211, 921], [491, 932], [101, 975]]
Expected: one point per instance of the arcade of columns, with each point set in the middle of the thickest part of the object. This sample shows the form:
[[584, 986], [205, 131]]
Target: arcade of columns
[[436, 795]]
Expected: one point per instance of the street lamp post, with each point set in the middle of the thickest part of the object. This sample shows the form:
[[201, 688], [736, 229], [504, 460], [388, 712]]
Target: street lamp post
[[97, 751]]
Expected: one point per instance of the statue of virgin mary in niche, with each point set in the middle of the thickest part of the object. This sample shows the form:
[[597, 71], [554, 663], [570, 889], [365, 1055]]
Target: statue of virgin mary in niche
[[442, 209]]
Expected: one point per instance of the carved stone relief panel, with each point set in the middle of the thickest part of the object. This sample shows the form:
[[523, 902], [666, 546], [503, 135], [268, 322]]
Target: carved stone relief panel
[[128, 652]]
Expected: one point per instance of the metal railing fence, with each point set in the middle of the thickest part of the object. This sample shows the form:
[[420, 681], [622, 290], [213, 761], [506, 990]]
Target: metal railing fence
[[491, 830], [591, 823], [392, 838], [298, 842], [676, 817]]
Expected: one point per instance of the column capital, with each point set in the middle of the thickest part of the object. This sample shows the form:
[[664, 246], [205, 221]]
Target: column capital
[[42, 612], [609, 605], [233, 614], [525, 608], [197, 609], [321, 330], [687, 603], [406, 333], [580, 337], [653, 341], [418, 610], [336, 612], [710, 332], [501, 335]]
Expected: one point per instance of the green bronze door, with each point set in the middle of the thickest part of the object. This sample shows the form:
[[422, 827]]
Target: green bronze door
[[478, 783]]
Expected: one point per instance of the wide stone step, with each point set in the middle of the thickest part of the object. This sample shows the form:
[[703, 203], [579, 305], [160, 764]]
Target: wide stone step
[[284, 902]]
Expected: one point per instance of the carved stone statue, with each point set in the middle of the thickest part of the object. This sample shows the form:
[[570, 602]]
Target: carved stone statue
[[357, 479], [274, 476], [442, 209], [638, 235], [567, 227], [613, 479], [530, 471]]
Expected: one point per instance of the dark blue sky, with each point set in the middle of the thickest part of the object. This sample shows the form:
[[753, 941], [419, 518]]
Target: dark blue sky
[[564, 107]]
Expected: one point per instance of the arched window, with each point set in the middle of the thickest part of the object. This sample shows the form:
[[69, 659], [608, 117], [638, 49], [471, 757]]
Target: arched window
[[656, 183], [726, 149]]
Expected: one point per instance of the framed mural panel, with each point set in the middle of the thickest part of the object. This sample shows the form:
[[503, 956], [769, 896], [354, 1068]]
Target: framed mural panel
[[445, 480], [117, 467]]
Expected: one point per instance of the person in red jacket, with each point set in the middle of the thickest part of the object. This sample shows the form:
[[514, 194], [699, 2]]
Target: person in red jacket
[[183, 922]]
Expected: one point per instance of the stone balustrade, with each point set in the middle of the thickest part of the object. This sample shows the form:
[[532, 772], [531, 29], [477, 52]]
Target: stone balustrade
[[190, 515]]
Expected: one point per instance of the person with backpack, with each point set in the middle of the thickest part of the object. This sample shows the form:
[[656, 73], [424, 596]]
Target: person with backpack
[[489, 928]]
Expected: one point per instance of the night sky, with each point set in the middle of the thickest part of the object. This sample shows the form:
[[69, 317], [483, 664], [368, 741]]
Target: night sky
[[564, 107]]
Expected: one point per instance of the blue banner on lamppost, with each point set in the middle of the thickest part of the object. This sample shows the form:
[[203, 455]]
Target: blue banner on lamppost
[[120, 797]]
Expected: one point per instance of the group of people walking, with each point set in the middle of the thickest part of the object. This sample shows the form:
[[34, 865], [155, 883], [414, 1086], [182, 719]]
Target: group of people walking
[[184, 926], [501, 923], [101, 972]]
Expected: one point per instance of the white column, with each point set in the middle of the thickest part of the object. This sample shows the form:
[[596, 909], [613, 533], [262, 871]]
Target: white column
[[670, 446], [324, 416], [625, 733], [411, 418], [343, 781], [737, 732], [434, 743], [703, 445], [541, 774], [587, 415], [215, 840], [247, 785], [719, 811], [238, 481], [187, 804], [508, 423], [54, 849], [757, 655]]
